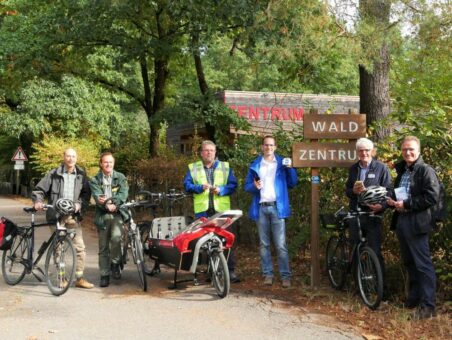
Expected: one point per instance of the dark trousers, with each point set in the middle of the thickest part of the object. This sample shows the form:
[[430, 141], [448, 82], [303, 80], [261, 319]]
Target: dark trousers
[[415, 252], [371, 227]]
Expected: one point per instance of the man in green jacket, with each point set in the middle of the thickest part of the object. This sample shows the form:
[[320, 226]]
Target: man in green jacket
[[110, 190]]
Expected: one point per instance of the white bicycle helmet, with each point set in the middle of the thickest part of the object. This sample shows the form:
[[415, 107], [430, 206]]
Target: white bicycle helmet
[[64, 206], [373, 195]]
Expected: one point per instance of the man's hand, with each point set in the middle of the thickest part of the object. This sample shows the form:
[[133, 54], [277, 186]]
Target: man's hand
[[358, 187], [78, 207], [375, 207], [215, 190], [110, 207], [258, 184], [398, 205], [38, 206], [206, 186]]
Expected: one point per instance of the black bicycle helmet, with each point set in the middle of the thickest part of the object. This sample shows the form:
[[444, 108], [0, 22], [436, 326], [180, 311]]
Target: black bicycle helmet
[[373, 195], [64, 206]]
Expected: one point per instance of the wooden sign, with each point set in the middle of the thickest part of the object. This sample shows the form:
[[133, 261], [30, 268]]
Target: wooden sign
[[334, 126], [324, 155]]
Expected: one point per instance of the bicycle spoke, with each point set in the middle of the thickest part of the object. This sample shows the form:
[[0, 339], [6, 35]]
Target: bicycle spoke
[[14, 261], [370, 278], [60, 265]]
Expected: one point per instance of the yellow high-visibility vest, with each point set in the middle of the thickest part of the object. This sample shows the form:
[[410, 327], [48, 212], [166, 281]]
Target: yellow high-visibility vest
[[220, 177]]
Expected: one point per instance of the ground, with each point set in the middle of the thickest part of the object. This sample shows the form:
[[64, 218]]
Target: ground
[[390, 321], [335, 308]]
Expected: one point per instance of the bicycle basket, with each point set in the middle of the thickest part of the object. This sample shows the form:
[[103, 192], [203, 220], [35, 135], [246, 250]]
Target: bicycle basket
[[329, 221]]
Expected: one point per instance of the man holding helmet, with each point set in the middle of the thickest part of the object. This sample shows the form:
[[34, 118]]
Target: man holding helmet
[[364, 178], [69, 182]]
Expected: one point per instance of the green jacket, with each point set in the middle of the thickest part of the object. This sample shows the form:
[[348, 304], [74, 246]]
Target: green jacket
[[120, 193]]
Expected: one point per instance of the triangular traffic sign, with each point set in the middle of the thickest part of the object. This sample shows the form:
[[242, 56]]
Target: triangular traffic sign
[[19, 155]]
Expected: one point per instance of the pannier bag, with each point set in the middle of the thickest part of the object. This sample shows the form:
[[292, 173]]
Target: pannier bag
[[8, 231]]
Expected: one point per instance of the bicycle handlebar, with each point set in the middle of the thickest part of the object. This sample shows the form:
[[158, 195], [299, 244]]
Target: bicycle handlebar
[[33, 210]]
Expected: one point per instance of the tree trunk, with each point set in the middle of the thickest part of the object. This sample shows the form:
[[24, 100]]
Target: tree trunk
[[374, 86], [161, 75], [210, 129]]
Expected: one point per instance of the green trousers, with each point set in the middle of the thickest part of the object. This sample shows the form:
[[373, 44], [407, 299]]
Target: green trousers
[[110, 243]]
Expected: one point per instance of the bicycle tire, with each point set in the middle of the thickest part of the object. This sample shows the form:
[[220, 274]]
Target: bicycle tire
[[370, 278], [219, 273], [145, 232], [13, 259], [60, 265], [336, 262], [138, 259]]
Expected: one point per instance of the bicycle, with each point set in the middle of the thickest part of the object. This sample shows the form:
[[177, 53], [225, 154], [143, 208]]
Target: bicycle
[[344, 257], [132, 241], [59, 270]]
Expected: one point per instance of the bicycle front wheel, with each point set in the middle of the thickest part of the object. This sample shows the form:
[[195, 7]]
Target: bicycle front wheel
[[138, 259], [220, 273], [14, 261], [370, 278], [60, 265], [336, 262]]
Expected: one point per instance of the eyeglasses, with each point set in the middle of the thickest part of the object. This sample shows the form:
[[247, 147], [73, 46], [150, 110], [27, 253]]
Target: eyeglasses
[[268, 145], [364, 150]]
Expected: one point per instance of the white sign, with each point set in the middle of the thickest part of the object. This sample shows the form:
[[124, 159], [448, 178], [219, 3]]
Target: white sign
[[19, 162], [19, 166], [19, 155]]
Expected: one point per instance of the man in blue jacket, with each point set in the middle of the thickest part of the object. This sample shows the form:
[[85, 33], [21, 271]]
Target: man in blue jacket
[[268, 180], [212, 182]]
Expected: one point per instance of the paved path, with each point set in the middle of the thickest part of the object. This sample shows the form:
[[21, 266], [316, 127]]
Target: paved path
[[122, 311]]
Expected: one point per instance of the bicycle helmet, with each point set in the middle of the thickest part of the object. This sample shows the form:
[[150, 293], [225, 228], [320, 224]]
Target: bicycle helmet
[[64, 206], [373, 195]]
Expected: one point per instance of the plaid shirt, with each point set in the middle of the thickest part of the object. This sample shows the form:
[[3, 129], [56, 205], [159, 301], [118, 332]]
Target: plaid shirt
[[405, 181], [209, 175]]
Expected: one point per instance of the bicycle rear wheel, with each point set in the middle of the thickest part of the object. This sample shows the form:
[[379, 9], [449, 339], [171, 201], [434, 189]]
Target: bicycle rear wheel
[[218, 268], [336, 262], [60, 265], [370, 278], [14, 260], [138, 258]]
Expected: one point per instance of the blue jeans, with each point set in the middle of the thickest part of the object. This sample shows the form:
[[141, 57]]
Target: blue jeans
[[269, 224]]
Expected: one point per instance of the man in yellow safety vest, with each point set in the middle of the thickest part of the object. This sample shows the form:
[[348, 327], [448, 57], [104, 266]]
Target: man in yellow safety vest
[[212, 182]]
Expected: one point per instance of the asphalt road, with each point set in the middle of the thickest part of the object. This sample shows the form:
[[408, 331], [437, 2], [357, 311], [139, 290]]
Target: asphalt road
[[122, 311]]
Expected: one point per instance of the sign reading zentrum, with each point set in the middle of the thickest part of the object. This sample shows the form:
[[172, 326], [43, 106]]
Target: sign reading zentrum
[[334, 126]]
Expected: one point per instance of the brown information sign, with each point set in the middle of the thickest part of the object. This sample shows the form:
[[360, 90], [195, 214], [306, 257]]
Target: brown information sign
[[343, 126], [324, 155]]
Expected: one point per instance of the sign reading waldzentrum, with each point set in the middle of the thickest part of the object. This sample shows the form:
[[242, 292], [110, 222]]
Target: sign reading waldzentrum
[[335, 126]]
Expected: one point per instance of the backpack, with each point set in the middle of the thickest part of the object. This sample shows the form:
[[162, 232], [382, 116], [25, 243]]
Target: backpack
[[8, 230], [439, 210]]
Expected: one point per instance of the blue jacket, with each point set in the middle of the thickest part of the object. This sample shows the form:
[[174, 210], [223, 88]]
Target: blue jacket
[[286, 178], [225, 190]]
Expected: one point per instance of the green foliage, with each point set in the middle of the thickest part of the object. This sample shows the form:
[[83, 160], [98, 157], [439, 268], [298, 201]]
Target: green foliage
[[50, 151]]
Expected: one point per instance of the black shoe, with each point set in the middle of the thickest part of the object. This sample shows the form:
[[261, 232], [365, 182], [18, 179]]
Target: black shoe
[[424, 313], [410, 304], [104, 281], [116, 271], [234, 278]]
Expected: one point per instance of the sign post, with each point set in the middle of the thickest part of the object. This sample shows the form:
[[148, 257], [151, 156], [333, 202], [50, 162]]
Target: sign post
[[19, 158], [316, 155]]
